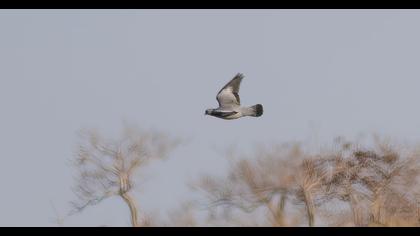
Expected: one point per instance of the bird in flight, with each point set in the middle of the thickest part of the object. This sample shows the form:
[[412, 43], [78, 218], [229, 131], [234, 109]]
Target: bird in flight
[[230, 104]]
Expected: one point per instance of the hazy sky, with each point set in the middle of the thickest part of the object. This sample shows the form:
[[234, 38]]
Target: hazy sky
[[318, 73]]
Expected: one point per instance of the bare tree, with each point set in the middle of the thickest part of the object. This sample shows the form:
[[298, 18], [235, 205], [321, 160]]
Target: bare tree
[[380, 184], [107, 167], [282, 185], [264, 183]]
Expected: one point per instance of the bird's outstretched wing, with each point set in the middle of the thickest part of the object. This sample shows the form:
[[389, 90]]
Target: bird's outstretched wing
[[228, 96]]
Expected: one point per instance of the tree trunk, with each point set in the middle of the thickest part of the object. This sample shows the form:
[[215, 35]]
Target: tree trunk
[[377, 215], [310, 209], [133, 209], [280, 211], [124, 188], [356, 211]]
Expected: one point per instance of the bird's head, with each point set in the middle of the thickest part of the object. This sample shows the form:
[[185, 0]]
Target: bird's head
[[208, 112]]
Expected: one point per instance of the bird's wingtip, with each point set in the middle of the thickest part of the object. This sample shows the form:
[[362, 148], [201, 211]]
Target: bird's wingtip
[[239, 75]]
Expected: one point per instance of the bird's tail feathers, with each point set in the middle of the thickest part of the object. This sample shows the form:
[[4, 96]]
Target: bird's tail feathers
[[257, 110]]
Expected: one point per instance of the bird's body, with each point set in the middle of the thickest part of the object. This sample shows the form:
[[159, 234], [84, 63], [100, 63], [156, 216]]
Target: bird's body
[[229, 102]]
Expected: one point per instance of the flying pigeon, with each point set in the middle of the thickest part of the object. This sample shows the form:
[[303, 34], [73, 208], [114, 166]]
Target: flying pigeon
[[230, 104]]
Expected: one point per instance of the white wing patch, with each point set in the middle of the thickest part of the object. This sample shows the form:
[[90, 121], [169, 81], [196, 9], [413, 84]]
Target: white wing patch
[[226, 98]]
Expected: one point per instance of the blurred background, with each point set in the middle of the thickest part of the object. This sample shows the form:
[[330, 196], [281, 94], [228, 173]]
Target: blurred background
[[339, 89]]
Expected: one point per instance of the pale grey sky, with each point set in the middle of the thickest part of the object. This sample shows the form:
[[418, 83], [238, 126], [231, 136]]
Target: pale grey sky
[[318, 73]]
